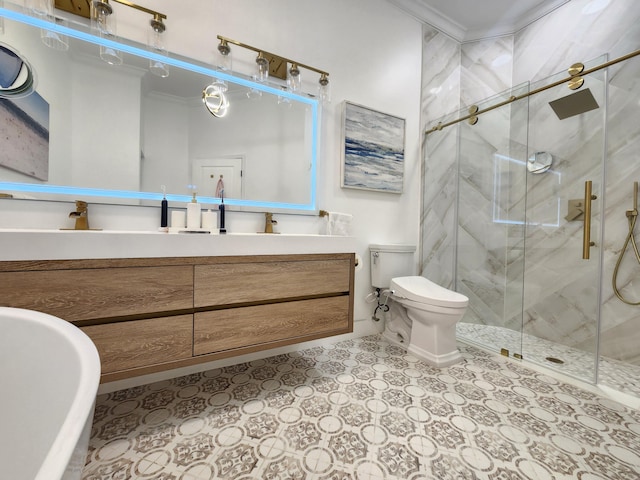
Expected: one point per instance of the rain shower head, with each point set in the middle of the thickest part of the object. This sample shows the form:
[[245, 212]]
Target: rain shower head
[[574, 104]]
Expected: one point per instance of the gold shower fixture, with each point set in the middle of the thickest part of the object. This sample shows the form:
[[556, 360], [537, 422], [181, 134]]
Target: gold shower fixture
[[270, 64], [473, 118], [574, 72]]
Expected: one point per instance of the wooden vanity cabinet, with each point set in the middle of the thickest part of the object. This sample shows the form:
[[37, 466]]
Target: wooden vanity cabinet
[[151, 314], [140, 343]]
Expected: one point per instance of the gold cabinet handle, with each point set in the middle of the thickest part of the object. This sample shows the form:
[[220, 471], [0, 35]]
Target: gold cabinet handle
[[586, 230]]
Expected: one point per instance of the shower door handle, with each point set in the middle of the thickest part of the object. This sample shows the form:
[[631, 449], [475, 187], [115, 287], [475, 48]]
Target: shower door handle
[[586, 229]]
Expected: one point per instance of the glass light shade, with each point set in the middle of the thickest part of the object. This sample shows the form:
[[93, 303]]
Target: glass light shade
[[102, 20], [40, 7], [254, 93], [294, 78], [263, 68], [105, 23], [158, 68], [156, 45], [109, 54], [282, 100], [224, 59], [54, 40], [324, 89]]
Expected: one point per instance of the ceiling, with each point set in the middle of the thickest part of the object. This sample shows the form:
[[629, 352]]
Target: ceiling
[[469, 20]]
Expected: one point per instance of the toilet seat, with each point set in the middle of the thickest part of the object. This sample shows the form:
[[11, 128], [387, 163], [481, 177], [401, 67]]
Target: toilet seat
[[422, 290]]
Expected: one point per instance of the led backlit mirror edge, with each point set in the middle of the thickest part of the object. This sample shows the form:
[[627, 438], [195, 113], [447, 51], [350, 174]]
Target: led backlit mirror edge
[[186, 64]]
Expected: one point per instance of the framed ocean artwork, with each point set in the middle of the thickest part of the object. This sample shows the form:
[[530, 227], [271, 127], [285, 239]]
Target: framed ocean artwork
[[373, 150]]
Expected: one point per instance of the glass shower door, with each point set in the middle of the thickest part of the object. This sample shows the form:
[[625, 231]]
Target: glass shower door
[[562, 265], [492, 183]]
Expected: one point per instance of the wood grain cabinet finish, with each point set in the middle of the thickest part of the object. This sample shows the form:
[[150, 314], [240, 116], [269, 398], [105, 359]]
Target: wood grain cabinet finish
[[234, 328], [151, 314], [232, 283], [94, 293], [141, 343]]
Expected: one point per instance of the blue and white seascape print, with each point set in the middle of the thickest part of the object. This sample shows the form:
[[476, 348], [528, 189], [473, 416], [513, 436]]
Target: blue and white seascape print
[[373, 150]]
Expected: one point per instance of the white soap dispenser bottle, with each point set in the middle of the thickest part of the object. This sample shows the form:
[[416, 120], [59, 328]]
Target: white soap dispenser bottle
[[193, 214]]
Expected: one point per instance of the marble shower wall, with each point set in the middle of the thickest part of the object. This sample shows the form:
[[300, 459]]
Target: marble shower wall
[[490, 254], [440, 96]]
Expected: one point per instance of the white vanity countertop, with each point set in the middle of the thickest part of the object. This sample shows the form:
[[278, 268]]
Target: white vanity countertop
[[70, 244]]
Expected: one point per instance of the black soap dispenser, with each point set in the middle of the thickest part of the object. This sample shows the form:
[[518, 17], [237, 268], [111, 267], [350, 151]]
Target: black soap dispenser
[[164, 209], [221, 208]]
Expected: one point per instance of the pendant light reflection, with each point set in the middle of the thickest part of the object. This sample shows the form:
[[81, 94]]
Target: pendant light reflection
[[104, 23], [215, 99], [44, 10], [254, 93], [156, 45]]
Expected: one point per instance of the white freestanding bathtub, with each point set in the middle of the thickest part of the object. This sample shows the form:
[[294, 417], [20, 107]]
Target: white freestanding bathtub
[[49, 376]]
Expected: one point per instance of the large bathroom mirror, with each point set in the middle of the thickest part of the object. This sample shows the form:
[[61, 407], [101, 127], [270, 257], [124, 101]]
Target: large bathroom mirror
[[120, 134]]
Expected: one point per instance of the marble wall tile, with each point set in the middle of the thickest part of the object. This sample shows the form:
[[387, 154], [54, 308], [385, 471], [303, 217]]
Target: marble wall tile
[[441, 96]]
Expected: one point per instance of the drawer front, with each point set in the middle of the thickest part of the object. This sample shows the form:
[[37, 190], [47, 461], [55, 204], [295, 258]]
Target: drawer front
[[226, 284], [99, 293], [231, 328], [139, 343]]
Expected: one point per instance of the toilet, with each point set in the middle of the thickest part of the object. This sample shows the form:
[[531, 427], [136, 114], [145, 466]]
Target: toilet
[[422, 315]]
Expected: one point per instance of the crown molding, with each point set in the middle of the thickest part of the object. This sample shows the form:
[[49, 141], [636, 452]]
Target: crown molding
[[424, 13]]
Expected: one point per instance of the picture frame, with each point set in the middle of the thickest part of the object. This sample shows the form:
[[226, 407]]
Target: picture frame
[[372, 149]]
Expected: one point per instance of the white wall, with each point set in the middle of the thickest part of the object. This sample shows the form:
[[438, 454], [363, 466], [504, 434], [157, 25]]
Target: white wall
[[373, 54]]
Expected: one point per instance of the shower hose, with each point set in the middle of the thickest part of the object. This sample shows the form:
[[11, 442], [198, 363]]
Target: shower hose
[[632, 216]]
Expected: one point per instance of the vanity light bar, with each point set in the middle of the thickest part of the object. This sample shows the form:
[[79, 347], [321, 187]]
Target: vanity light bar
[[273, 57], [156, 15], [83, 8]]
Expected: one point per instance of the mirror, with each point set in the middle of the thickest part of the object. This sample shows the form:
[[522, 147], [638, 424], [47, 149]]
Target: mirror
[[117, 134]]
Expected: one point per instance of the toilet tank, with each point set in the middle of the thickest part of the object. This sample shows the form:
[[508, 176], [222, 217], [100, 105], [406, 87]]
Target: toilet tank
[[390, 261]]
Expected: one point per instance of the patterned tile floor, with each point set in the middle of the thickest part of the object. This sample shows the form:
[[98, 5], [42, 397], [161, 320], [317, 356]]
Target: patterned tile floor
[[363, 409], [619, 376]]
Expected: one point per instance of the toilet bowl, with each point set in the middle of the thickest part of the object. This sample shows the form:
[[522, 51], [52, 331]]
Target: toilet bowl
[[423, 317]]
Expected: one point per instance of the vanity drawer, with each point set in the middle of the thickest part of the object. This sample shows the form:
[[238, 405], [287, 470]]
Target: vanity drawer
[[140, 343], [251, 282], [234, 328], [94, 293]]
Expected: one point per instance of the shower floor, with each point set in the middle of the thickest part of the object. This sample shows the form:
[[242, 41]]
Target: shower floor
[[619, 376]]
